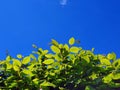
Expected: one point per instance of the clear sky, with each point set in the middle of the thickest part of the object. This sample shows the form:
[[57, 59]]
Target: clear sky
[[96, 23]]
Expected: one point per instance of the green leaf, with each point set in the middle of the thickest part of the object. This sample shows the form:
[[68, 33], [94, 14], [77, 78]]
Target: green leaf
[[19, 56], [116, 63], [89, 88], [55, 49], [48, 61], [9, 66], [54, 42], [66, 47], [116, 76], [8, 58], [108, 78], [16, 68], [28, 72], [74, 49], [105, 61], [45, 84], [111, 56], [71, 41], [16, 62], [86, 58], [26, 60], [49, 55]]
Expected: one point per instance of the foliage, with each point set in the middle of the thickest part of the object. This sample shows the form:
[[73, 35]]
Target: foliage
[[68, 67]]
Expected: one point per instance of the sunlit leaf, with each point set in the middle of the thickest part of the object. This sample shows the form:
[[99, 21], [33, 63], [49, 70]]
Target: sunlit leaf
[[16, 68], [66, 47], [48, 61], [54, 42], [16, 62], [45, 83], [105, 61], [116, 76], [55, 49], [9, 66], [19, 56], [49, 55], [26, 60], [111, 56], [74, 49], [71, 41]]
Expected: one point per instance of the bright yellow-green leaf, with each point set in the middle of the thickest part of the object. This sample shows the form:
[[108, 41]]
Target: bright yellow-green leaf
[[55, 49], [48, 61], [116, 63], [28, 72], [16, 68], [16, 62], [19, 56], [111, 56], [45, 52], [66, 47], [108, 78], [45, 84], [8, 58], [116, 76], [49, 55], [71, 41], [26, 60], [86, 58], [74, 49], [54, 42], [9, 66], [105, 61], [60, 45]]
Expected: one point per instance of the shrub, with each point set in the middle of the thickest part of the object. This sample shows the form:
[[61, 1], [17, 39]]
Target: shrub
[[67, 67]]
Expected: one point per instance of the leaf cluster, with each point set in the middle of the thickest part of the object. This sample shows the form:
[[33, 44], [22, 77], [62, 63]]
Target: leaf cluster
[[67, 67]]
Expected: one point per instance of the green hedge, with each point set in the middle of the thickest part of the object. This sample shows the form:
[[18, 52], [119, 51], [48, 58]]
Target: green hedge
[[67, 67]]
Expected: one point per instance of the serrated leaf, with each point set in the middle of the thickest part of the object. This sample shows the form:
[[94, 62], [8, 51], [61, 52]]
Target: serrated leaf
[[74, 49], [105, 61], [48, 61], [71, 41], [55, 49], [26, 60]]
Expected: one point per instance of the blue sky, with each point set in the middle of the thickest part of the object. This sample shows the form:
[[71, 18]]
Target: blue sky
[[96, 23]]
